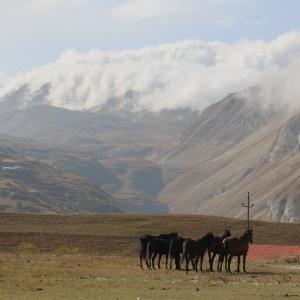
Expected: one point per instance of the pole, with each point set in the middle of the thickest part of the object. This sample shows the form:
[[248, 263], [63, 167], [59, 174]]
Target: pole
[[248, 206]]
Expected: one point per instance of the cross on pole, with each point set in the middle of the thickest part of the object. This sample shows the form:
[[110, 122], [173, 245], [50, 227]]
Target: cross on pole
[[248, 206]]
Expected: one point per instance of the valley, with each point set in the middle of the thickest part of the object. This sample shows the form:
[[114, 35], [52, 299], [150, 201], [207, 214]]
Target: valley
[[177, 161]]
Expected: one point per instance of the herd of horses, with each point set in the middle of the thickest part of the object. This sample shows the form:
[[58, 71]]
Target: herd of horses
[[187, 250]]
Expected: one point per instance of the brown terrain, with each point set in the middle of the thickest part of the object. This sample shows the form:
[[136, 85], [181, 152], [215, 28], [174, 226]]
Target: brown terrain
[[118, 234]]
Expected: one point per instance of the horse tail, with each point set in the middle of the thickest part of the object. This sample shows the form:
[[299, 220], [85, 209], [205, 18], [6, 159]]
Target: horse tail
[[143, 246], [149, 254], [224, 250]]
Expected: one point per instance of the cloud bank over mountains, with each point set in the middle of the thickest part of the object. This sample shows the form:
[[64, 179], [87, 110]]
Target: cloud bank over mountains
[[190, 73]]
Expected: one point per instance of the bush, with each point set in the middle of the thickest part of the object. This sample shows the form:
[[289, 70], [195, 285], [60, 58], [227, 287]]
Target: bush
[[26, 247]]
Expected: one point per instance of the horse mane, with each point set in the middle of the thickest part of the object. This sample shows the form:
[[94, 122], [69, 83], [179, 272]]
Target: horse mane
[[245, 234], [226, 233]]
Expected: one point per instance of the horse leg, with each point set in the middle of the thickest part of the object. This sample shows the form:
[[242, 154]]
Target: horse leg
[[229, 263], [167, 256], [226, 262], [219, 265], [159, 259], [220, 262], [171, 261], [177, 261], [148, 259], [238, 263], [141, 260], [187, 262], [201, 262], [244, 263], [153, 260], [212, 262]]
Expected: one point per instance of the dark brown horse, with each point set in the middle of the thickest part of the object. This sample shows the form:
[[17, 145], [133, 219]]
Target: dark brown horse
[[144, 240], [216, 247], [189, 253], [176, 248], [238, 247], [202, 245], [158, 247], [195, 250]]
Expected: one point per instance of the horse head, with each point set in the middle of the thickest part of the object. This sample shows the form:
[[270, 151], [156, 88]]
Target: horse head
[[248, 235], [227, 233], [209, 237]]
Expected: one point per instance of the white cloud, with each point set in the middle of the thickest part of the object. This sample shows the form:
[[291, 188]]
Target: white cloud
[[137, 10], [185, 74]]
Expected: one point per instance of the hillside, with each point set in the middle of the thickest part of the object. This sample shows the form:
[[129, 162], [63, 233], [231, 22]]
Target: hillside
[[111, 147], [30, 185], [118, 234], [228, 154]]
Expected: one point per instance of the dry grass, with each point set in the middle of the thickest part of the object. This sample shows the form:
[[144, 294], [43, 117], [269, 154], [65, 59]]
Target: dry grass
[[49, 276]]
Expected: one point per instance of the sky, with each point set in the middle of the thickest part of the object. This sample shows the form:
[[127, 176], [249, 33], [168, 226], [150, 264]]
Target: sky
[[36, 32], [172, 53]]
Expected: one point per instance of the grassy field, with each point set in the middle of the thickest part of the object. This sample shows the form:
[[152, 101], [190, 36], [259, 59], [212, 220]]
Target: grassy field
[[94, 257]]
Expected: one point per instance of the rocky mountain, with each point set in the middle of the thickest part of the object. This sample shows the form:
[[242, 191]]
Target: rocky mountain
[[110, 147], [176, 161], [237, 146]]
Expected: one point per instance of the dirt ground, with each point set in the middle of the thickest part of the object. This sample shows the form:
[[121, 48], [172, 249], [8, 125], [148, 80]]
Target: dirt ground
[[61, 276]]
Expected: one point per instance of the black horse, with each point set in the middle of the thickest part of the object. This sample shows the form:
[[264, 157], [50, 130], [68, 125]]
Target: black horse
[[176, 248], [158, 247], [144, 240], [216, 247], [202, 246]]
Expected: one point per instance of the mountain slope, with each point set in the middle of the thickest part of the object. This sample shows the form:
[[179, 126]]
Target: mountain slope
[[29, 185], [219, 127], [260, 156], [173, 160]]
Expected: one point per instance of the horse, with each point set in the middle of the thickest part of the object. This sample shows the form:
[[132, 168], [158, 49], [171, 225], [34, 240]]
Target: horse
[[234, 246], [144, 240], [189, 252], [193, 250], [216, 247], [201, 246], [176, 248], [160, 247]]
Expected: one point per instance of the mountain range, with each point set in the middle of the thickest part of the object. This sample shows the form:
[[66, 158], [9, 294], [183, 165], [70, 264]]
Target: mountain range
[[116, 159]]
